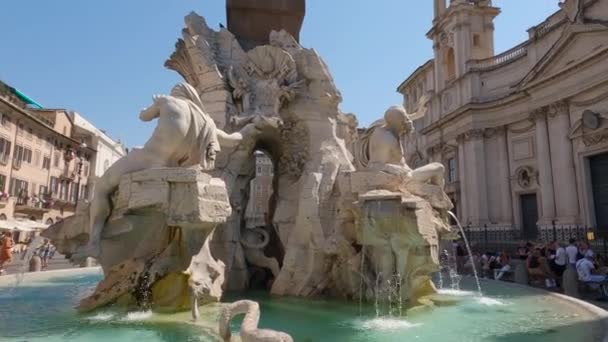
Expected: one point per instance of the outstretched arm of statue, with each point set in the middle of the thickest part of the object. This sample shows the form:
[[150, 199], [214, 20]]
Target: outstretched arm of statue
[[394, 169], [233, 139], [151, 112]]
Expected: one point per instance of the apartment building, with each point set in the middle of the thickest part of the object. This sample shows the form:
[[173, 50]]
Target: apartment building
[[44, 171]]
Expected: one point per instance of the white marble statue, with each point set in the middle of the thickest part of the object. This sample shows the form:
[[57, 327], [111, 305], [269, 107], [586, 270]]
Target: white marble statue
[[249, 327], [381, 149], [185, 136]]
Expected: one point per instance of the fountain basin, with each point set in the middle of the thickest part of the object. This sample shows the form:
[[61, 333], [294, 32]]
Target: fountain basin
[[41, 308]]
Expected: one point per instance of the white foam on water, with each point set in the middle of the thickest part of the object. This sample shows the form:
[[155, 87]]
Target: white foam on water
[[102, 317], [457, 293], [487, 301], [137, 316], [387, 324]]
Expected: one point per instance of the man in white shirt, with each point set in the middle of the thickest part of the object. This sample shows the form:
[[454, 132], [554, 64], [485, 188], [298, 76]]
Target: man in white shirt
[[584, 268], [572, 252], [561, 258], [559, 262]]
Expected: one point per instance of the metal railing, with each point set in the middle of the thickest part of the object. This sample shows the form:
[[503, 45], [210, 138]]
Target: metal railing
[[497, 238]]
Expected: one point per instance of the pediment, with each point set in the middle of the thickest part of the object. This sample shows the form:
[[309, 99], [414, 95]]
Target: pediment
[[578, 44], [591, 134]]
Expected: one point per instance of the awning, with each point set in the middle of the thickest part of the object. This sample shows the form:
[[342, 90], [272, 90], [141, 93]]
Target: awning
[[25, 98], [22, 225]]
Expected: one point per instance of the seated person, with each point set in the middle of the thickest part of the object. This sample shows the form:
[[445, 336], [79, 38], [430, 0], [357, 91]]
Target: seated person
[[585, 268], [538, 268], [505, 265]]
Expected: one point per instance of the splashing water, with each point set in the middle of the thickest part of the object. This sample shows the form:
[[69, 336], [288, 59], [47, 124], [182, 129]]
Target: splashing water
[[29, 254], [137, 316], [377, 294], [361, 282], [102, 316], [379, 324], [456, 293], [487, 301], [466, 243]]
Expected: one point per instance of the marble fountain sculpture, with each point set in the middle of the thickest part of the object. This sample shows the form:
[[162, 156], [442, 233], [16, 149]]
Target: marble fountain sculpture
[[347, 213]]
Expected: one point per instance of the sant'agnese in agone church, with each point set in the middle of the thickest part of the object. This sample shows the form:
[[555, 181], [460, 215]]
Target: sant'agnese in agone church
[[523, 135]]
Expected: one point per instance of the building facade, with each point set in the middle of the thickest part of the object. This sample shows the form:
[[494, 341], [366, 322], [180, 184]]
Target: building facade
[[44, 170], [108, 150], [523, 135], [260, 191]]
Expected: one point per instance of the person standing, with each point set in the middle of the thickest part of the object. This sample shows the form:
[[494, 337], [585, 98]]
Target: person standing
[[6, 248], [559, 262], [572, 253], [45, 253]]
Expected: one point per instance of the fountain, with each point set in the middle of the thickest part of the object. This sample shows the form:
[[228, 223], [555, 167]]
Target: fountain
[[349, 220]]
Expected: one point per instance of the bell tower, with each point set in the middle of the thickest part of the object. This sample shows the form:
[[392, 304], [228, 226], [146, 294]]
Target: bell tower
[[462, 30], [252, 20]]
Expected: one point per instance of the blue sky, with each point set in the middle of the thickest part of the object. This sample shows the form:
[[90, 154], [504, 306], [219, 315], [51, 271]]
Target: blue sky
[[105, 59]]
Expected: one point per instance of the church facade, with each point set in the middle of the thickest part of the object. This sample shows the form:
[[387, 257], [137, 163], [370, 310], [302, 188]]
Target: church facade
[[523, 135]]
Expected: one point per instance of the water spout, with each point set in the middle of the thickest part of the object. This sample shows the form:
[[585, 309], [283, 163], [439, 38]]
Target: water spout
[[466, 243]]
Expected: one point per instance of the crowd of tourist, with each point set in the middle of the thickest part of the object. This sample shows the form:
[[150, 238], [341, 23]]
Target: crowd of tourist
[[9, 250], [545, 263]]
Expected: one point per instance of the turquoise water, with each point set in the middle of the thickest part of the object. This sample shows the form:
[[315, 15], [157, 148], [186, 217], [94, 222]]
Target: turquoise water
[[43, 311]]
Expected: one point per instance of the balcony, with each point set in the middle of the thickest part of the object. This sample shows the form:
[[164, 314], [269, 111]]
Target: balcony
[[31, 206]]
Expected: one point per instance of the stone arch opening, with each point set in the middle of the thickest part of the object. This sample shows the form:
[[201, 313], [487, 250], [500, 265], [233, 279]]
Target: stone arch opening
[[260, 240]]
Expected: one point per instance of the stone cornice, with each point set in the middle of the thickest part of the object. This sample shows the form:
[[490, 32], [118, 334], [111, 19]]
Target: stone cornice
[[590, 102], [522, 130], [472, 134]]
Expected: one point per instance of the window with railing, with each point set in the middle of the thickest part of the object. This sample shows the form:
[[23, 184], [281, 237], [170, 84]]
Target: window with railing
[[5, 151], [5, 120], [2, 182], [22, 154], [56, 159], [43, 191], [46, 163], [84, 192], [54, 185], [37, 155], [18, 188]]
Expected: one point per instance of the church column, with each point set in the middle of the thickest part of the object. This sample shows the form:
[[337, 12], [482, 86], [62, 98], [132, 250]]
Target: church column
[[462, 178], [544, 167], [566, 201], [477, 187], [506, 203]]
